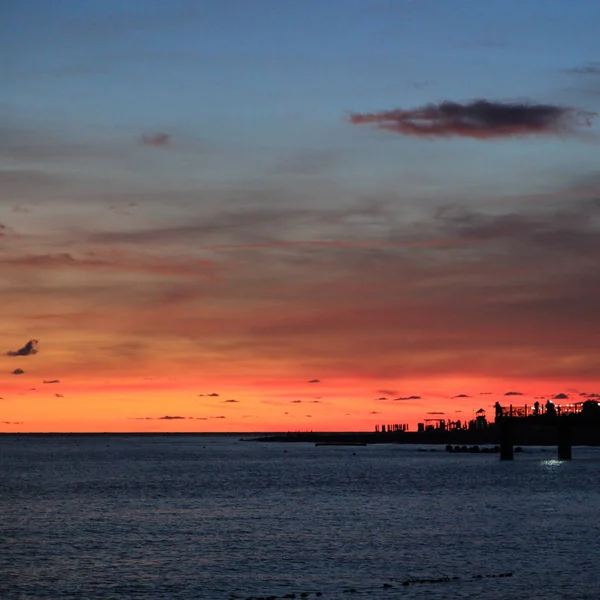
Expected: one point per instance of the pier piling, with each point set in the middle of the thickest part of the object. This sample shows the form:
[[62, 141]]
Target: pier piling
[[565, 440], [506, 440]]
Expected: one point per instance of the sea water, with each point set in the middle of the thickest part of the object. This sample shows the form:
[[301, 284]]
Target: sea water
[[212, 517]]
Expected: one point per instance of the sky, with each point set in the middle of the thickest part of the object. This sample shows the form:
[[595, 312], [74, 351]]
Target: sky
[[297, 215]]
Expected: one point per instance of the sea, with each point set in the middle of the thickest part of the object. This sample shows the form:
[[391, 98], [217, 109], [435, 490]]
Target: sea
[[184, 517]]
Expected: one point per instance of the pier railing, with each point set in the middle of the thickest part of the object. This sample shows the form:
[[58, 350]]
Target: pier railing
[[529, 410]]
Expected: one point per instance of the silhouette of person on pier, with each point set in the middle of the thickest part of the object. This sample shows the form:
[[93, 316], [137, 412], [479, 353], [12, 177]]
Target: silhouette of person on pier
[[498, 410]]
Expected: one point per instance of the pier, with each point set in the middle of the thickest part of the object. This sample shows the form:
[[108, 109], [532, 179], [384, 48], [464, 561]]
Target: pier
[[560, 422], [576, 424]]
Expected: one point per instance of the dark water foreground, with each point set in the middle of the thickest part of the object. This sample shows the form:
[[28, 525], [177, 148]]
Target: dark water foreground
[[163, 517]]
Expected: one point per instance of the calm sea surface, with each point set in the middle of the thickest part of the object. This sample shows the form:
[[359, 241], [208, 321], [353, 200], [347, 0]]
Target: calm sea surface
[[186, 517]]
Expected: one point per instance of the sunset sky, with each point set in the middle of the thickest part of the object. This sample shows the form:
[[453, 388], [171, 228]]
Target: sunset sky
[[271, 215]]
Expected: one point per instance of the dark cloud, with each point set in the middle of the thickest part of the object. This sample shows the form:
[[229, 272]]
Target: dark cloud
[[561, 397], [315, 401], [213, 395], [12, 422], [157, 140], [232, 401], [461, 396], [382, 398], [513, 394], [51, 381], [219, 417], [479, 119], [296, 401], [407, 398], [28, 349], [166, 418], [485, 393], [18, 372], [435, 413], [374, 412], [59, 395], [315, 381], [593, 395]]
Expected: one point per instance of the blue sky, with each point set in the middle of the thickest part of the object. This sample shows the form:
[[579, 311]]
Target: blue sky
[[267, 76]]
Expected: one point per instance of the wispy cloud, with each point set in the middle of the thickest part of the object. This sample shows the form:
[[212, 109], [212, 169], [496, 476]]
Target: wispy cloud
[[479, 119], [592, 68], [122, 262], [157, 139]]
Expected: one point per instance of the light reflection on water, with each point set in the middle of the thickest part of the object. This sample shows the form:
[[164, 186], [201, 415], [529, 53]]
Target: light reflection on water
[[196, 517], [553, 464]]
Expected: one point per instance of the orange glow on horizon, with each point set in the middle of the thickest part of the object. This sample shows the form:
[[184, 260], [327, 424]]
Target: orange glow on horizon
[[159, 405]]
